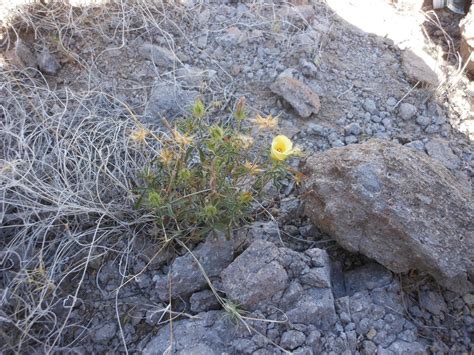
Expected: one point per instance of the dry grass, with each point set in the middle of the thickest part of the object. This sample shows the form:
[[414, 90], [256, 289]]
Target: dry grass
[[67, 168]]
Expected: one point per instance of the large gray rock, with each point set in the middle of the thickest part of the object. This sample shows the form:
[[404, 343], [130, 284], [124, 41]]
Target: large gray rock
[[208, 333], [299, 284], [158, 55], [300, 96], [467, 40], [420, 67], [48, 63], [255, 275], [397, 206], [170, 101], [185, 276], [439, 149]]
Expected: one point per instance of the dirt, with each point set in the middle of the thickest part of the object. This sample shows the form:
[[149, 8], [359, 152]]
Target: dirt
[[111, 57]]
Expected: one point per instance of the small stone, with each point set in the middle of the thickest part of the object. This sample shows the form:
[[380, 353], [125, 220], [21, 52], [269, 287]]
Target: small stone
[[25, 54], [203, 301], [105, 332], [353, 128], [419, 145], [158, 55], [439, 149], [420, 66], [317, 129], [369, 106], [255, 275], [433, 302], [402, 347], [202, 41], [232, 37], [407, 111], [469, 299], [47, 63], [423, 121], [308, 68], [433, 128], [350, 139], [204, 17], [367, 277], [387, 123], [300, 96], [376, 119], [290, 206], [467, 40], [369, 348], [292, 339], [371, 334], [214, 254], [391, 102], [337, 143], [169, 100], [316, 277]]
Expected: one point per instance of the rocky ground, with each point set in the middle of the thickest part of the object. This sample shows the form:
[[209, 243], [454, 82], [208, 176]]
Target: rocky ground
[[283, 284]]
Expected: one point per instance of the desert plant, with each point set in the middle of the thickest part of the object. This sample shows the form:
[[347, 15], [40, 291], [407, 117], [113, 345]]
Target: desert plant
[[207, 176]]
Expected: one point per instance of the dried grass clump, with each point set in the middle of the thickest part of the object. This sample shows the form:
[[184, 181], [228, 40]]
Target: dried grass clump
[[67, 166]]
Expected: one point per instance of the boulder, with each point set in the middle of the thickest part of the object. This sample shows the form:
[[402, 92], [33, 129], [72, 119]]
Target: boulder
[[186, 277], [300, 96], [48, 63], [158, 55], [439, 149], [267, 277], [396, 205], [420, 66], [467, 40], [207, 333], [169, 101], [255, 275]]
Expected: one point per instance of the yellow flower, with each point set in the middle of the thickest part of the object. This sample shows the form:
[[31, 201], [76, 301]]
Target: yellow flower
[[252, 168], [198, 109], [298, 177], [246, 197], [182, 139], [245, 141], [282, 148], [240, 109], [166, 156], [139, 135], [269, 122]]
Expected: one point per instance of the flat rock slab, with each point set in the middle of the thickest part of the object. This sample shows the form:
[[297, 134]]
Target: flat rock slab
[[395, 205], [467, 40], [169, 101], [300, 96], [419, 66]]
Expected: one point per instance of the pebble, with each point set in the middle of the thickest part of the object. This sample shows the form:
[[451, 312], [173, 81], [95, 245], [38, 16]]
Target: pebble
[[387, 122], [407, 111], [47, 63], [419, 145], [350, 139], [423, 121], [371, 334], [432, 129], [105, 333], [369, 106], [391, 101], [292, 339], [337, 143], [353, 128], [317, 129]]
